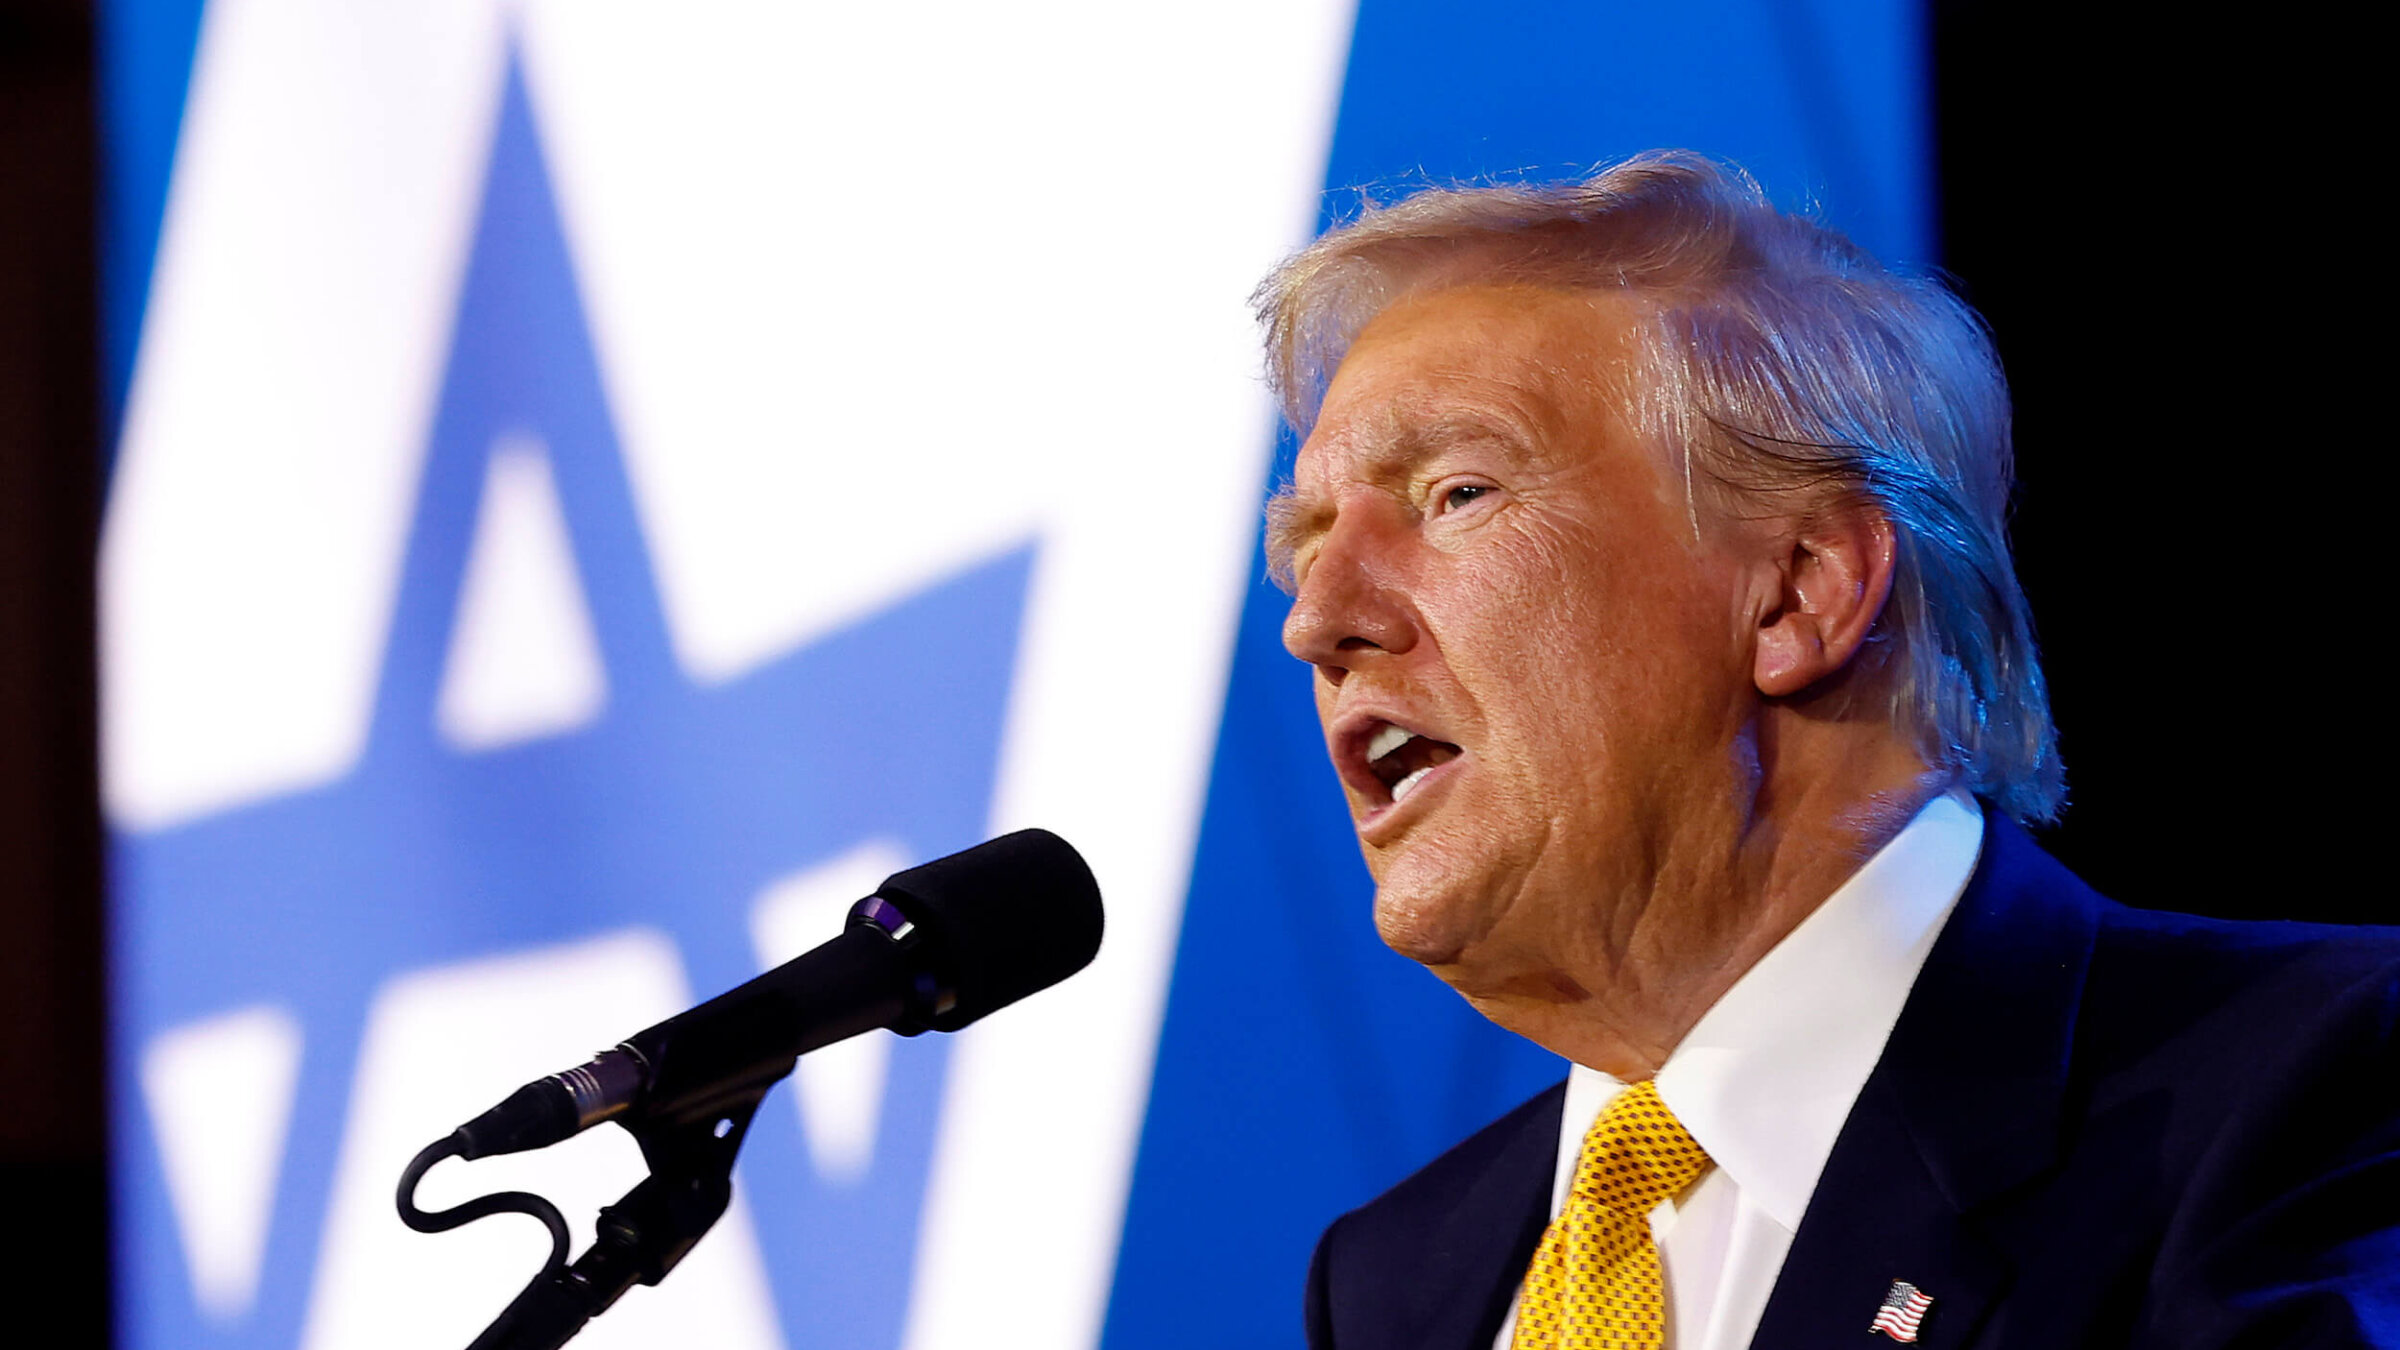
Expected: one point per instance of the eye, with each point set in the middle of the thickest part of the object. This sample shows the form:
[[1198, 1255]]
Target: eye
[[1458, 496]]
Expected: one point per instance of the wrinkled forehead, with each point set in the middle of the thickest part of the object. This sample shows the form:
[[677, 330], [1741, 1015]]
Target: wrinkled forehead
[[1517, 362], [1543, 375]]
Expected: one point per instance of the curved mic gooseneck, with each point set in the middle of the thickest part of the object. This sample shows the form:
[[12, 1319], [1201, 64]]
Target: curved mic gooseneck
[[936, 947]]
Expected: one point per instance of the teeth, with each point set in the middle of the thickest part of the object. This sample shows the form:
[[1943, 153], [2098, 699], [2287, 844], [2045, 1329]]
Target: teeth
[[1386, 741], [1401, 789]]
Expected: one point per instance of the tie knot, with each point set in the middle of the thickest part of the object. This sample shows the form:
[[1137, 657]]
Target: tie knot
[[1637, 1154]]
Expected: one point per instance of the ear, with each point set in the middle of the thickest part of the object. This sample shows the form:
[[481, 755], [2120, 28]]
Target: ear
[[1833, 577]]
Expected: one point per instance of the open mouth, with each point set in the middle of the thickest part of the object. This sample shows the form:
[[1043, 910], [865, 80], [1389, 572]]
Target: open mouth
[[1400, 759]]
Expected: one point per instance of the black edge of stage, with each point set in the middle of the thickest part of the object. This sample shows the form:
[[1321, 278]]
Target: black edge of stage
[[2165, 223], [53, 1120]]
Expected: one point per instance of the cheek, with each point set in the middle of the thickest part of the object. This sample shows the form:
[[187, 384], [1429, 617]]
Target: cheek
[[1584, 652]]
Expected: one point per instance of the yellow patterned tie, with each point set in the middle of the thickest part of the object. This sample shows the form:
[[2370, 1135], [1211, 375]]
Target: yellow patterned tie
[[1595, 1282]]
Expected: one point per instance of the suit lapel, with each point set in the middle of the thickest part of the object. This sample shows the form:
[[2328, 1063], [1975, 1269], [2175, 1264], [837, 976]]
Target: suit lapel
[[1461, 1290], [1963, 1106], [1878, 1216]]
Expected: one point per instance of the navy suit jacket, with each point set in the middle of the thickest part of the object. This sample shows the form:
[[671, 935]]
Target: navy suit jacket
[[2092, 1126]]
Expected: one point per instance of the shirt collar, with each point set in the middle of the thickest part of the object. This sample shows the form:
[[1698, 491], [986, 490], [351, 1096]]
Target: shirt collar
[[1767, 1076]]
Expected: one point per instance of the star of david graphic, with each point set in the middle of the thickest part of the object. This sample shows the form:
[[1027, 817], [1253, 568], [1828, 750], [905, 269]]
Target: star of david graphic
[[668, 810]]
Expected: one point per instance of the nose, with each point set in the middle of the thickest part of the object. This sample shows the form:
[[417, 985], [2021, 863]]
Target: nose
[[1352, 606]]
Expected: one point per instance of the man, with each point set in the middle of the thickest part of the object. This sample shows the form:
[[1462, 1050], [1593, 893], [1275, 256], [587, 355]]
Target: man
[[1647, 545]]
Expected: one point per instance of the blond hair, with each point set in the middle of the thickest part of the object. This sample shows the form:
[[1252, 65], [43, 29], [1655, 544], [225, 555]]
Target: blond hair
[[1776, 357]]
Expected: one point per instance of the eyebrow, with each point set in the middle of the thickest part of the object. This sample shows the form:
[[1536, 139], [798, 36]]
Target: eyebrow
[[1293, 521]]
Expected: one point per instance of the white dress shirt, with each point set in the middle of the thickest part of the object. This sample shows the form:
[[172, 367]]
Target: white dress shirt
[[1768, 1075]]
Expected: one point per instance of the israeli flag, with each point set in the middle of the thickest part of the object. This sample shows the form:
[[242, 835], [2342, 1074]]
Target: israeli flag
[[601, 484]]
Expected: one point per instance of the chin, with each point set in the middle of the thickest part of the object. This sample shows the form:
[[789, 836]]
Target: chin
[[1430, 925], [1441, 900], [1439, 887]]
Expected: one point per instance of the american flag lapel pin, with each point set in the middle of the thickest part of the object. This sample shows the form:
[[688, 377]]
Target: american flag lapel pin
[[1903, 1309]]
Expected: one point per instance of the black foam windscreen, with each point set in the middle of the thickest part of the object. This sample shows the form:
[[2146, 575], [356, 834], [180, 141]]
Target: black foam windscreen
[[1008, 917]]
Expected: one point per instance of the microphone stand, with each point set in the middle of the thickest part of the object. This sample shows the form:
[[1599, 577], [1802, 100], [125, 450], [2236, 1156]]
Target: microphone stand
[[697, 1095], [696, 1104], [643, 1235], [686, 1089]]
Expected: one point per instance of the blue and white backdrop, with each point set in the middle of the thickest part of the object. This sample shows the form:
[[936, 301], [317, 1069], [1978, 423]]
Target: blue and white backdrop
[[600, 484]]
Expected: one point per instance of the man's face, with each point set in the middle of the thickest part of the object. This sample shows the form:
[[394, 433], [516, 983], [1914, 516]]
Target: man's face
[[1533, 678]]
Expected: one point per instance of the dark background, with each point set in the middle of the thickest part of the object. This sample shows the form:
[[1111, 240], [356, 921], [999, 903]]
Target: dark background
[[53, 1248], [2166, 225]]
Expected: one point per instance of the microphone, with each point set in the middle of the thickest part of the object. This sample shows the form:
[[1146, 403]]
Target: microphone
[[936, 947]]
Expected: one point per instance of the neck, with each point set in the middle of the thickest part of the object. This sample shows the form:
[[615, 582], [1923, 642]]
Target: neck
[[1655, 951]]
